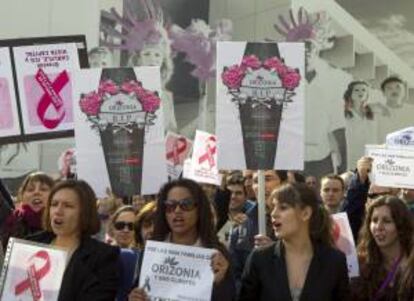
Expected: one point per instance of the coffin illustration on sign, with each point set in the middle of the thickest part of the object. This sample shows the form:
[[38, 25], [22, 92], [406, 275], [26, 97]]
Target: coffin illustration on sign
[[121, 110], [261, 86]]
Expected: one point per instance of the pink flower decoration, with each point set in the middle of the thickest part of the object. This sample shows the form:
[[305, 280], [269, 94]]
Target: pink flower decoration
[[233, 76], [275, 64], [90, 103], [107, 86], [132, 86], [251, 61], [291, 80], [150, 102]]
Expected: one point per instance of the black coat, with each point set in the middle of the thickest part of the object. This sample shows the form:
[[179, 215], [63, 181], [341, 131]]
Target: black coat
[[92, 272], [265, 276]]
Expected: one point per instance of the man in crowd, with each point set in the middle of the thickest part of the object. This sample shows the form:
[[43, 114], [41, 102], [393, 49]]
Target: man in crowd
[[241, 227], [332, 193], [248, 184]]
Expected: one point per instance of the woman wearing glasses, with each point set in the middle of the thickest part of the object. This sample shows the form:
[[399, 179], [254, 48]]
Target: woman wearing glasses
[[184, 217], [122, 227]]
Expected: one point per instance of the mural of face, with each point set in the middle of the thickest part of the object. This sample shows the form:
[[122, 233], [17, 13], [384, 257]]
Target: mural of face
[[100, 58], [394, 93], [359, 93], [151, 55]]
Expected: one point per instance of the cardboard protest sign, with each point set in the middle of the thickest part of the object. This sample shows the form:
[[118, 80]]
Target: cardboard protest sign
[[392, 167], [260, 119], [344, 241], [37, 74], [176, 272], [204, 159], [9, 119], [119, 130], [178, 149], [32, 271]]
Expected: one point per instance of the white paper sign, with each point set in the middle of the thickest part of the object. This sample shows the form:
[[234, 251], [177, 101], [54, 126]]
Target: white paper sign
[[404, 138], [204, 159], [177, 149], [9, 120], [260, 107], [344, 241], [392, 167], [32, 271], [119, 130], [176, 272], [45, 87]]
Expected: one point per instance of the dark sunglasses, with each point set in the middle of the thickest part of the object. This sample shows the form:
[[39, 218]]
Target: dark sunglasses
[[185, 205], [121, 225]]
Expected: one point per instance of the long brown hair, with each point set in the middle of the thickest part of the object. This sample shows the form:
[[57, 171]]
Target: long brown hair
[[368, 251], [299, 194]]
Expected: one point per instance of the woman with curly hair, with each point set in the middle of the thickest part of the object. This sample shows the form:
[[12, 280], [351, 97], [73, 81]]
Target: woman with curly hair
[[385, 243], [184, 217]]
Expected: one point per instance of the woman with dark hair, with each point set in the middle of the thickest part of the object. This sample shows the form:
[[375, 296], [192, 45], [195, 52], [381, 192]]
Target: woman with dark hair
[[184, 217], [386, 239], [121, 227], [27, 218], [302, 264], [70, 219]]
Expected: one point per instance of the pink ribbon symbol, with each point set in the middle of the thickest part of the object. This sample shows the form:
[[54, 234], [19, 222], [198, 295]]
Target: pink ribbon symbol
[[51, 97], [34, 276], [210, 151], [179, 147]]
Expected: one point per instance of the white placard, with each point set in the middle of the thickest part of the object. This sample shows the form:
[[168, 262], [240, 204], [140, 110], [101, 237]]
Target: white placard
[[126, 114], [177, 148], [9, 119], [45, 87], [344, 241], [260, 105], [392, 167], [404, 138], [204, 159], [32, 271], [176, 272]]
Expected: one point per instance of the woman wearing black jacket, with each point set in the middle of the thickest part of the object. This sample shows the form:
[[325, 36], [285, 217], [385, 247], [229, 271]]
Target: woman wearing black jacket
[[70, 219], [184, 216], [302, 265]]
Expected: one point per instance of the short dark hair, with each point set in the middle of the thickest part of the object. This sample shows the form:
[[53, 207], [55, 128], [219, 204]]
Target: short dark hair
[[89, 221], [334, 177], [236, 179], [390, 79]]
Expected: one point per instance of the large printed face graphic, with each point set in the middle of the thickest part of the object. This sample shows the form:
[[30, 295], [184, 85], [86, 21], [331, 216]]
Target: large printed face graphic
[[151, 55], [394, 93]]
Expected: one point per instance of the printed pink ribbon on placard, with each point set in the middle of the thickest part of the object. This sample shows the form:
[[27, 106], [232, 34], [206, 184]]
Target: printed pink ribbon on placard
[[179, 147], [34, 276], [51, 97], [210, 151]]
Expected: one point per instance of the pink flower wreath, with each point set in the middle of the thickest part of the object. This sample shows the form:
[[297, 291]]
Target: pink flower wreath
[[233, 76], [91, 102]]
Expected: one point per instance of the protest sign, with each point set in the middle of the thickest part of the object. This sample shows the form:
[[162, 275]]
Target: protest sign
[[177, 150], [392, 167], [204, 159], [32, 271], [260, 119], [119, 130], [404, 138], [176, 272], [9, 119], [344, 241]]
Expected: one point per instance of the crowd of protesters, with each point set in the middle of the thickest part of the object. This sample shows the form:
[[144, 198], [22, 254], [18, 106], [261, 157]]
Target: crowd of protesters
[[296, 259]]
